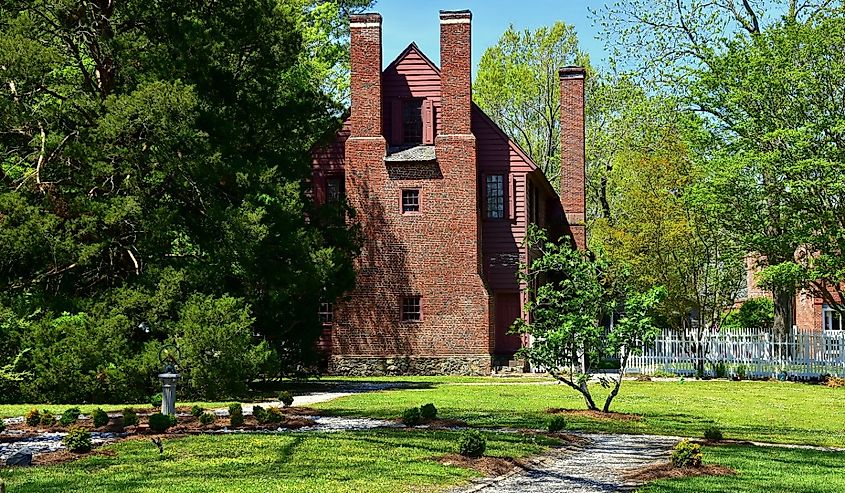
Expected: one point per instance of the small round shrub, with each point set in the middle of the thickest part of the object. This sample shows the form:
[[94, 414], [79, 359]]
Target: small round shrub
[[2, 425], [197, 411], [260, 414], [78, 440], [236, 408], [47, 418], [32, 417], [557, 423], [275, 415], [207, 418], [130, 417], [161, 422], [99, 418], [686, 454], [236, 419], [155, 400], [70, 416], [713, 433], [411, 417], [428, 412], [473, 444], [286, 398]]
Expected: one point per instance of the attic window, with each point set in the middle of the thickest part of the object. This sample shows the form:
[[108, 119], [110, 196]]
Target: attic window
[[412, 122]]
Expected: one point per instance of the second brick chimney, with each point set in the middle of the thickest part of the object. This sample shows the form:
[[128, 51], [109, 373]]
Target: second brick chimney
[[456, 69], [365, 70], [572, 159]]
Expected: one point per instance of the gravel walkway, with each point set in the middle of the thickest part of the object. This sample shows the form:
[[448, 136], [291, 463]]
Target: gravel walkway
[[598, 466]]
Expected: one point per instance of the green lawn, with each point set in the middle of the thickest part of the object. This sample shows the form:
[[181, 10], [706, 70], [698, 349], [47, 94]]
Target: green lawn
[[764, 411], [773, 470], [383, 461]]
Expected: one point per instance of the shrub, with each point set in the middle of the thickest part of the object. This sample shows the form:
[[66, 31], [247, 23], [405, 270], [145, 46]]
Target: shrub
[[155, 401], [286, 398], [686, 454], [260, 414], [473, 444], [161, 422], [275, 415], [197, 411], [99, 418], [741, 372], [236, 408], [236, 419], [70, 416], [47, 418], [2, 425], [411, 417], [77, 440], [207, 418], [428, 412], [32, 417], [756, 312], [721, 370], [835, 382], [130, 417], [557, 423], [713, 433]]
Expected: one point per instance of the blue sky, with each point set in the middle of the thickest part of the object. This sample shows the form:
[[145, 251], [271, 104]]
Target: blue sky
[[409, 20]]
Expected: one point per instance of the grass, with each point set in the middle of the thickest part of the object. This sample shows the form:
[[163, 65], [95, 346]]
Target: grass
[[384, 461], [773, 470], [763, 411], [14, 410]]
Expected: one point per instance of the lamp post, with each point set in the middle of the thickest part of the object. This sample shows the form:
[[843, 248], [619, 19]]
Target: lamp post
[[169, 357]]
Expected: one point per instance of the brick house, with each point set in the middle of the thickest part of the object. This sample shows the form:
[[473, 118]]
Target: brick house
[[443, 198]]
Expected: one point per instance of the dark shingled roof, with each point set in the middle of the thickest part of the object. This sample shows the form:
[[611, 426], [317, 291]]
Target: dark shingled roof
[[415, 153]]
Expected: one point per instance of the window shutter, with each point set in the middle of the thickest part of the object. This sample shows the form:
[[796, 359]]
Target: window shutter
[[396, 122], [428, 122]]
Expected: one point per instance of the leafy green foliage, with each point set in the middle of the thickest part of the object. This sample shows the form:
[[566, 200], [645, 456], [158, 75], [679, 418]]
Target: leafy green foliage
[[473, 444], [70, 416], [32, 417], [686, 454], [77, 440], [159, 423], [47, 418], [428, 412], [286, 398], [411, 416], [207, 418], [99, 418], [713, 433], [155, 400], [755, 312], [236, 414], [155, 168], [557, 423], [197, 411], [130, 417]]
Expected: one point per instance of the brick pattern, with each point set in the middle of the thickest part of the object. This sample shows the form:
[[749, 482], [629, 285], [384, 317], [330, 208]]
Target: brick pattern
[[456, 68], [365, 72], [572, 159]]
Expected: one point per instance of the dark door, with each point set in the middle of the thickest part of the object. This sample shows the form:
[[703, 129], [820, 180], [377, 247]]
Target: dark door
[[507, 310]]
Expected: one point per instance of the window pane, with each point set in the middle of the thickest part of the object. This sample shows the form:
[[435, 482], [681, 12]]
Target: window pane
[[412, 125], [495, 196], [411, 309], [410, 201], [326, 313], [334, 188]]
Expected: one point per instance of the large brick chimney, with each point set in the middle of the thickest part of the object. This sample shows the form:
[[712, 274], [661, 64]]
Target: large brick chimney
[[365, 64], [572, 152], [456, 69]]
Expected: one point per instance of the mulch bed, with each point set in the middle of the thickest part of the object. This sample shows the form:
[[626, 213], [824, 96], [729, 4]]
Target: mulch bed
[[62, 456], [595, 414], [667, 471], [488, 466]]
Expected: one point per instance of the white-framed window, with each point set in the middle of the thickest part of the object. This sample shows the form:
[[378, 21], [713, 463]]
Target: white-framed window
[[831, 319], [326, 313]]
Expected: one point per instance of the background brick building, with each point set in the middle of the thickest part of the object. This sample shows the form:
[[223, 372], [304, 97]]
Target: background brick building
[[444, 199]]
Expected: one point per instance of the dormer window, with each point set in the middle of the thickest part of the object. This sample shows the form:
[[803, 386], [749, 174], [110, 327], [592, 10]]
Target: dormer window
[[412, 121]]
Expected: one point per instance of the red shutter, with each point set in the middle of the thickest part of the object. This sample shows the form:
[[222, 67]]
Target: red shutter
[[428, 122], [396, 122]]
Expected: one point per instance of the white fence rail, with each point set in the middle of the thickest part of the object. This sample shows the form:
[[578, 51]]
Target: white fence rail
[[751, 353]]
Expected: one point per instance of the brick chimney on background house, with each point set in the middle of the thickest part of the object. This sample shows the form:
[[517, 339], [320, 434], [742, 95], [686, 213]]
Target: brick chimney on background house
[[365, 70], [572, 159]]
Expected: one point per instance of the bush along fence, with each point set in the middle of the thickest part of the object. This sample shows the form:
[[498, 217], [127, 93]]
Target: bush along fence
[[743, 353]]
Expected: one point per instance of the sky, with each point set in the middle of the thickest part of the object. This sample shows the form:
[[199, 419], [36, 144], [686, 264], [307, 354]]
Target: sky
[[405, 21]]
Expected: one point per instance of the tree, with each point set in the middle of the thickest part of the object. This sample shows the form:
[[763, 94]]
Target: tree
[[779, 181], [518, 86], [152, 151], [569, 296]]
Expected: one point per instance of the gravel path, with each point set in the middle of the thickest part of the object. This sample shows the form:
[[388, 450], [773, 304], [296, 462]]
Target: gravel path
[[597, 466]]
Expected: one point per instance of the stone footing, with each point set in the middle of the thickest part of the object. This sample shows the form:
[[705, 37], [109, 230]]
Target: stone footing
[[410, 365]]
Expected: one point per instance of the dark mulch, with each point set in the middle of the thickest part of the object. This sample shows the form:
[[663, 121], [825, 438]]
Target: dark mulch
[[595, 414], [667, 471], [488, 466], [62, 456]]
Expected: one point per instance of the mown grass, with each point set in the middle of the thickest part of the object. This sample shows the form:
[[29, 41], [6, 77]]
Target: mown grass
[[763, 411], [773, 470], [383, 461]]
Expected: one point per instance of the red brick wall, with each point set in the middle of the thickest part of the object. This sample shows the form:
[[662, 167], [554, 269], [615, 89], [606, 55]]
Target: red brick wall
[[572, 161], [433, 254]]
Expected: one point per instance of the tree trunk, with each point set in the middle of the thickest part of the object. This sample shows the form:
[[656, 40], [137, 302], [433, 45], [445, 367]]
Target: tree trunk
[[784, 300], [588, 398]]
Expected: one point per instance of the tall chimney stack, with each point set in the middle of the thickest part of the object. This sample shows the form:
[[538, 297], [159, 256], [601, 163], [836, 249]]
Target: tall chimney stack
[[572, 187], [365, 67], [456, 69]]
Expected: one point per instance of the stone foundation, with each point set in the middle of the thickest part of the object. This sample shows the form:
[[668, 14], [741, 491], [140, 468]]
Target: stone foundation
[[477, 365]]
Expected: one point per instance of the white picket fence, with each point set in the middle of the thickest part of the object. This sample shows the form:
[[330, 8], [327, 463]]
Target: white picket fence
[[756, 353]]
